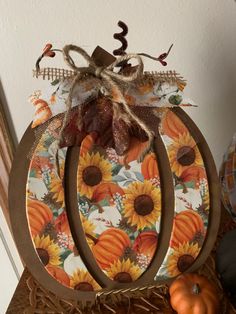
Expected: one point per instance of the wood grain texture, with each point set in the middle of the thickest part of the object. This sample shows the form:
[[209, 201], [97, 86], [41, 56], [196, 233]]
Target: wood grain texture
[[6, 157]]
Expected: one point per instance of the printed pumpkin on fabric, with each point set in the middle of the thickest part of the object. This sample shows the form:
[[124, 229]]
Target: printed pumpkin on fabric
[[47, 217], [122, 206], [191, 196], [119, 196]]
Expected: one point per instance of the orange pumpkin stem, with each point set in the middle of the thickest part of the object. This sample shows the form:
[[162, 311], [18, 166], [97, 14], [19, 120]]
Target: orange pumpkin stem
[[196, 289]]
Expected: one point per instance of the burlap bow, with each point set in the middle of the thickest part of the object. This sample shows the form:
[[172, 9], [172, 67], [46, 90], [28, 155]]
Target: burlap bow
[[111, 84]]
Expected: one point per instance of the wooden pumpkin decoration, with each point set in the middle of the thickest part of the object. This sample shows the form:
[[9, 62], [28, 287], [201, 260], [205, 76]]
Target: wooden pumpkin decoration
[[194, 294], [128, 192]]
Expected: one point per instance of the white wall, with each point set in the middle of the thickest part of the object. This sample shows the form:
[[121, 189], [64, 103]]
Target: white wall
[[203, 33], [11, 265]]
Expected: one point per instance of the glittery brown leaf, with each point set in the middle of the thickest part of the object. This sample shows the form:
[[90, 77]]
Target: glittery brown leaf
[[121, 136]]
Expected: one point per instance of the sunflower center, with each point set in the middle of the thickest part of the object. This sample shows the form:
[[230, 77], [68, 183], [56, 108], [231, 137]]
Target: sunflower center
[[184, 262], [43, 255], [143, 205], [84, 286], [123, 277], [186, 155], [92, 175]]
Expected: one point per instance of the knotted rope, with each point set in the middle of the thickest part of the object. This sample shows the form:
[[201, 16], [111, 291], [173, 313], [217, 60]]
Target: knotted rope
[[113, 81]]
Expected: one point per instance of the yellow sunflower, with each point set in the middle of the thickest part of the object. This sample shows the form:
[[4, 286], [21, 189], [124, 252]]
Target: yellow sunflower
[[48, 250], [124, 271], [93, 169], [56, 187], [183, 153], [83, 281], [182, 258], [89, 228], [142, 203]]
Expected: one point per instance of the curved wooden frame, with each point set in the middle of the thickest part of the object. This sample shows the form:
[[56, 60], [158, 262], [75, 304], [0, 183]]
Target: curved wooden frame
[[17, 202], [214, 188], [167, 202]]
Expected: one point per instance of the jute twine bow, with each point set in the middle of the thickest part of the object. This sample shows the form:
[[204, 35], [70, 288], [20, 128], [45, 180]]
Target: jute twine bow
[[110, 79]]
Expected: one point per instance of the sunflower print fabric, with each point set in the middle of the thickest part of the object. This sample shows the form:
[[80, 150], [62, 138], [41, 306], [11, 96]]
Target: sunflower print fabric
[[191, 196], [47, 218], [120, 198]]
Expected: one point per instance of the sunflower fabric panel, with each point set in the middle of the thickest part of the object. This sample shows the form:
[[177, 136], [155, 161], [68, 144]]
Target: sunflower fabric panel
[[47, 218], [191, 196], [119, 201]]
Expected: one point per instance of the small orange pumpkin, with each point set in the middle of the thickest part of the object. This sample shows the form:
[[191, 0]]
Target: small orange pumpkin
[[135, 150], [59, 274], [146, 243], [42, 112], [193, 173], [172, 125], [194, 294], [106, 190], [188, 226], [149, 167], [87, 143], [110, 246], [39, 216]]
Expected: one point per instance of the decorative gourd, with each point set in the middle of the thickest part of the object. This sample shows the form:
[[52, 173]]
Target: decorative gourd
[[171, 125], [40, 216], [146, 243], [149, 167], [225, 263], [194, 294], [188, 226], [110, 246]]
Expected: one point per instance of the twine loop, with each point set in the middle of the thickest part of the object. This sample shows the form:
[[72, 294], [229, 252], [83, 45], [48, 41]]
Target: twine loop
[[102, 71], [98, 71], [114, 81]]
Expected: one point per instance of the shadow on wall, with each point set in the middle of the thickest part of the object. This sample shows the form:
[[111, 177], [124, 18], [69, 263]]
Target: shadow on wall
[[7, 115]]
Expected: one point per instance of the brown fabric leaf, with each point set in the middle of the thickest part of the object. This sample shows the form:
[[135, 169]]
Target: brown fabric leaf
[[146, 114], [121, 136]]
